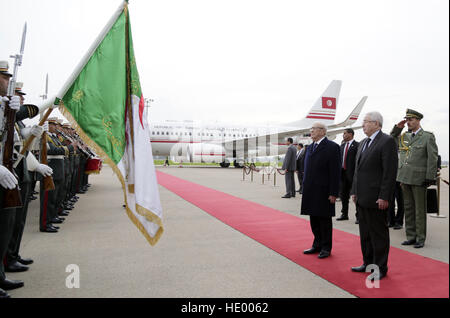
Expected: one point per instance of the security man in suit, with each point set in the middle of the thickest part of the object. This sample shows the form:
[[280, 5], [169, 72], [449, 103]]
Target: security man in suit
[[417, 170], [372, 190], [299, 163], [289, 164], [349, 148]]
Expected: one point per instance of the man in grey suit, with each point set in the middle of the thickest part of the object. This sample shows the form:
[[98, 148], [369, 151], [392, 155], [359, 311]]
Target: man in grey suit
[[289, 166], [300, 157], [372, 190]]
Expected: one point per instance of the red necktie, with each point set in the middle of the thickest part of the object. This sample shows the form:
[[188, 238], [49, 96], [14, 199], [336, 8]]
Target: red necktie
[[345, 157]]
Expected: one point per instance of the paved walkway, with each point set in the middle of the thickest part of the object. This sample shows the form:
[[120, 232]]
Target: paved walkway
[[197, 256]]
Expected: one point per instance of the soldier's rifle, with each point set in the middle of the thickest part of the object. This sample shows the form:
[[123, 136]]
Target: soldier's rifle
[[48, 181], [12, 196]]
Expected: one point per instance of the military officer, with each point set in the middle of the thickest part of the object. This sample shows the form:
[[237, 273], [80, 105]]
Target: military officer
[[417, 169], [13, 261], [7, 181], [50, 199]]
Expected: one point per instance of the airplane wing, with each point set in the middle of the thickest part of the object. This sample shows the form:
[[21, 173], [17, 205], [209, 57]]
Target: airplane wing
[[353, 117], [331, 134], [279, 137]]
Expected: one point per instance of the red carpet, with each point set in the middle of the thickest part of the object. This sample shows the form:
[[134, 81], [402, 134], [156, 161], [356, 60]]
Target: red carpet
[[409, 276]]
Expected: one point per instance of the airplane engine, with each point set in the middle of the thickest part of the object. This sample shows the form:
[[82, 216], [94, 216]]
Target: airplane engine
[[208, 153]]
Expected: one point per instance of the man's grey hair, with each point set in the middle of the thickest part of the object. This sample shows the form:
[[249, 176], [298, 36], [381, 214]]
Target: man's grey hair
[[321, 125], [376, 116]]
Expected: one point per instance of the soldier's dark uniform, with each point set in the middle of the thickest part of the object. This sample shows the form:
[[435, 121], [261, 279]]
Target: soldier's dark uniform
[[13, 261], [50, 200], [7, 218]]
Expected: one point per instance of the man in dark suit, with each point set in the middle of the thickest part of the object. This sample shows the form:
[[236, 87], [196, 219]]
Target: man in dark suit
[[349, 147], [372, 190], [299, 164], [321, 188], [289, 164]]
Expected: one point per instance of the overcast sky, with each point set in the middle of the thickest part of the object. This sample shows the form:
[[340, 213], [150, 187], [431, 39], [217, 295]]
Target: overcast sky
[[253, 61]]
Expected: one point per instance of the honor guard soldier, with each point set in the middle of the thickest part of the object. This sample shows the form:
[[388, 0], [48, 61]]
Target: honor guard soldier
[[13, 262], [417, 170], [7, 181], [56, 153]]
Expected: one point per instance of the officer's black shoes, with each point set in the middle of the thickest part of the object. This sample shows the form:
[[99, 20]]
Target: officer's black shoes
[[49, 229], [357, 221], [359, 269], [312, 250], [3, 294], [343, 217], [287, 196], [63, 213], [25, 261], [409, 242], [419, 245], [7, 284], [324, 254], [56, 220], [398, 226], [15, 267]]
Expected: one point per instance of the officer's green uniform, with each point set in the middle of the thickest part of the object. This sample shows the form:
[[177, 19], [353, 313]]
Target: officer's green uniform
[[418, 157]]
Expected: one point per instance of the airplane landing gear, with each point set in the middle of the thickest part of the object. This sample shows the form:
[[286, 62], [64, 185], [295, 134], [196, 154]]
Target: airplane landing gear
[[238, 163], [225, 164]]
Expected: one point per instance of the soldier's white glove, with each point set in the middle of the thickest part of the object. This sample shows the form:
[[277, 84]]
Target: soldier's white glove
[[37, 131], [7, 179], [45, 126], [44, 170], [14, 103]]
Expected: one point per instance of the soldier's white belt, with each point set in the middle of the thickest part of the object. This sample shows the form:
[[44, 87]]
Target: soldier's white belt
[[55, 157]]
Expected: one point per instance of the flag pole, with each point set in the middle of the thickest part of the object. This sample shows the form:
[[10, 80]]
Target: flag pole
[[86, 57]]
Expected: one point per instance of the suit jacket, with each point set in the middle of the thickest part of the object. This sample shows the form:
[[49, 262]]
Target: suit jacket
[[321, 178], [418, 156], [375, 171], [289, 162], [300, 161], [351, 159]]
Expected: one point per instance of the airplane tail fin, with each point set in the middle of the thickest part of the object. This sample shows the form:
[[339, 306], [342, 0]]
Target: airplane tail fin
[[324, 109]]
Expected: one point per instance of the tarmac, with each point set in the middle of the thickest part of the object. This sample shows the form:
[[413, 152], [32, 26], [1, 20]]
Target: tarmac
[[197, 256]]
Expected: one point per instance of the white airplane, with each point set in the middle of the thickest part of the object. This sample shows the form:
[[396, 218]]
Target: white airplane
[[196, 142]]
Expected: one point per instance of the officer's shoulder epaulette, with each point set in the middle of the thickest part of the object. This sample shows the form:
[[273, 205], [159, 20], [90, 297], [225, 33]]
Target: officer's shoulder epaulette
[[428, 132]]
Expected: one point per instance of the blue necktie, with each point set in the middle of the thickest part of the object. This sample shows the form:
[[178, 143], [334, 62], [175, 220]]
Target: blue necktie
[[366, 145], [314, 146]]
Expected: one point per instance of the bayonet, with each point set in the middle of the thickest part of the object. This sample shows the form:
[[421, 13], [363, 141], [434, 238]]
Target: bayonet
[[44, 97], [17, 62]]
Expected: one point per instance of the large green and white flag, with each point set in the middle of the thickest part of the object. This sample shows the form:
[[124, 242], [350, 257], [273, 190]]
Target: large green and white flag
[[104, 103]]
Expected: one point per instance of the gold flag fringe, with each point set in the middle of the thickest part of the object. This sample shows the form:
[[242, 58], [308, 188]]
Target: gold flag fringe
[[149, 215]]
